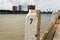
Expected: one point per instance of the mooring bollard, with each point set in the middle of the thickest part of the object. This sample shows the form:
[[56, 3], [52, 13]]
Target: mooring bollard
[[54, 17], [32, 25]]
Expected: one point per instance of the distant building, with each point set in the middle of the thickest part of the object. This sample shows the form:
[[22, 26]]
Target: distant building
[[47, 10], [31, 7], [14, 8], [20, 7]]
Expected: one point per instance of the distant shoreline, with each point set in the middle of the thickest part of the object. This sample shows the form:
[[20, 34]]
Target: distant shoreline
[[41, 13]]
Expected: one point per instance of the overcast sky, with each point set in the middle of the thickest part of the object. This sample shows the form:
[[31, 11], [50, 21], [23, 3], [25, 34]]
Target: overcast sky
[[40, 4]]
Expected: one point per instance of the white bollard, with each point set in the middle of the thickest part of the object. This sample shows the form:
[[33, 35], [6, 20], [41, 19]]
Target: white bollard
[[54, 17], [31, 25]]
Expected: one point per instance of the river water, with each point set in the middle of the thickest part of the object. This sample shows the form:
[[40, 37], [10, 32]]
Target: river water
[[12, 26]]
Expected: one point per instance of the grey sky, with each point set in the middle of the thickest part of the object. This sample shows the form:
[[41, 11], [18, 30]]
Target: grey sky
[[40, 4]]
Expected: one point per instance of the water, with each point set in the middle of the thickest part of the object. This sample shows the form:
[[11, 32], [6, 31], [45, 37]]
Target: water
[[45, 22], [12, 26]]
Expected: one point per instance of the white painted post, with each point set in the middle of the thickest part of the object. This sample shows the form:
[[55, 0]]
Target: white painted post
[[54, 17], [31, 21]]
